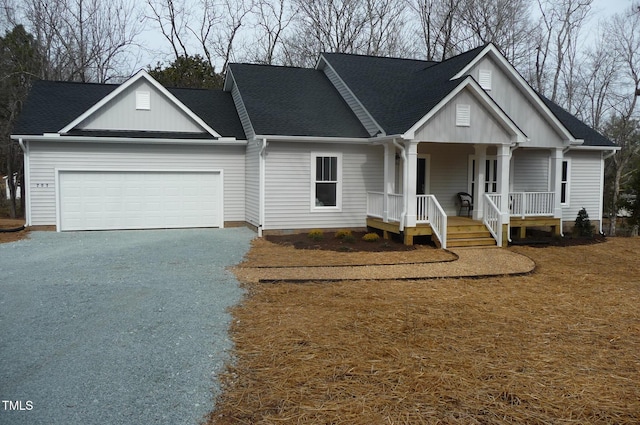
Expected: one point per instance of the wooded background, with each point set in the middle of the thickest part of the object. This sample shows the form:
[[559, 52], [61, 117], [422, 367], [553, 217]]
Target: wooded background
[[589, 66]]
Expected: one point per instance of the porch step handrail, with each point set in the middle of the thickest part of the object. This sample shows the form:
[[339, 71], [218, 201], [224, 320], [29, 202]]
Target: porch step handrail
[[430, 211], [491, 216], [530, 204]]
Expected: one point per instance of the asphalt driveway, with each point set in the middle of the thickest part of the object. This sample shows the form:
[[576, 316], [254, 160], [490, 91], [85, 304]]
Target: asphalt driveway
[[119, 327]]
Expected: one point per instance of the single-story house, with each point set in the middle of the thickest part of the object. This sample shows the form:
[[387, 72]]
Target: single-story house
[[355, 141]]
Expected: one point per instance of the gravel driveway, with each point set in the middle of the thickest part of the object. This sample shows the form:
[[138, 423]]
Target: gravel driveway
[[119, 327]]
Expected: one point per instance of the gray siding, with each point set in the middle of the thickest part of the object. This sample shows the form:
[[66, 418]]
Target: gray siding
[[585, 187], [530, 170], [252, 179], [121, 114], [45, 157], [242, 113], [356, 107], [483, 129], [288, 185], [449, 172], [514, 102]]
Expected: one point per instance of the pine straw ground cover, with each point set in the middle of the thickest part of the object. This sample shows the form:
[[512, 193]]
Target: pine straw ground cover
[[559, 346]]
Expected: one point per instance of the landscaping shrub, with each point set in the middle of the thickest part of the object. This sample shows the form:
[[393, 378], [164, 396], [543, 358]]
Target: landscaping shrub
[[316, 234], [349, 238], [342, 234], [583, 226], [371, 237]]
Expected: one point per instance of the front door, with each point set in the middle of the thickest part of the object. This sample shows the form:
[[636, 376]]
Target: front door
[[490, 175], [422, 175]]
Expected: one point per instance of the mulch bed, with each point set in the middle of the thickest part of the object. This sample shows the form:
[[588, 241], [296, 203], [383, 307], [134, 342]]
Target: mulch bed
[[8, 223], [558, 346], [329, 242]]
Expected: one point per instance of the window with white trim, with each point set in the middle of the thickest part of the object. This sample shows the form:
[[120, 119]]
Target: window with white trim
[[484, 78], [564, 183], [326, 177], [463, 115]]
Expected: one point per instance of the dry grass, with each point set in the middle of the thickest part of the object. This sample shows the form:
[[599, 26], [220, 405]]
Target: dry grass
[[559, 346]]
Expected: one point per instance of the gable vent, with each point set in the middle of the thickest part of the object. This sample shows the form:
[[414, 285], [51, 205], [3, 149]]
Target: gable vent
[[484, 78], [463, 115], [143, 101]]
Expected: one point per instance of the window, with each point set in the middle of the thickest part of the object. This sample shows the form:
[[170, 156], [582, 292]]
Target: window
[[564, 183], [143, 100], [490, 174], [484, 78], [463, 115], [326, 175]]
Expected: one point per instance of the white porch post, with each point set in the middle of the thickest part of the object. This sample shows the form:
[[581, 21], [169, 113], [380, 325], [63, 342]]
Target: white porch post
[[556, 180], [389, 177], [478, 193], [503, 158], [411, 147]]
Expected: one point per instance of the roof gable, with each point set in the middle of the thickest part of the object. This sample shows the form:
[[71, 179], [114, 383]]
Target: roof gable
[[52, 104], [505, 66], [126, 93], [501, 123]]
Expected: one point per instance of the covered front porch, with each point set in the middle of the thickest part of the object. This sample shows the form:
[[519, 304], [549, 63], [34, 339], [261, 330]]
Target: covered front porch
[[508, 191]]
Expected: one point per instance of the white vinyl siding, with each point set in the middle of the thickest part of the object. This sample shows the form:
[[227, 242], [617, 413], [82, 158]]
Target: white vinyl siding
[[448, 172], [252, 179], [530, 170], [288, 185], [585, 189], [45, 157], [121, 113], [483, 129], [515, 103]]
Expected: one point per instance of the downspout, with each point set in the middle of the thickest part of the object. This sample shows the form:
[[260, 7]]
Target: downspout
[[262, 174], [405, 177], [26, 182]]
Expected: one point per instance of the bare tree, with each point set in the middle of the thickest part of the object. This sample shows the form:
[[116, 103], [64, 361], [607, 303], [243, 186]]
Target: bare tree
[[624, 33], [170, 17], [81, 40], [438, 26], [272, 18]]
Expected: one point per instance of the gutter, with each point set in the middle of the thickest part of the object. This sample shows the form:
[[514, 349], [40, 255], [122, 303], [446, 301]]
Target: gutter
[[262, 174], [405, 177], [27, 181], [280, 138], [142, 140]]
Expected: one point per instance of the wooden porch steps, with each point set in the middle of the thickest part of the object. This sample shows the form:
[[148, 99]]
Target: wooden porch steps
[[468, 233]]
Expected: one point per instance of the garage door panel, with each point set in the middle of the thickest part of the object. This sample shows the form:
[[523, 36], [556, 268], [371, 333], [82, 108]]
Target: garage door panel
[[99, 200]]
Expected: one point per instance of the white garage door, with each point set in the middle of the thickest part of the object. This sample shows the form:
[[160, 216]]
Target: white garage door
[[104, 200]]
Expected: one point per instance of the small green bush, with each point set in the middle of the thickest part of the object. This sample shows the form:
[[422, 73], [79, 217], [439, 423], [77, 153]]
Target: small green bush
[[316, 234], [371, 237], [341, 234], [349, 238], [583, 226]]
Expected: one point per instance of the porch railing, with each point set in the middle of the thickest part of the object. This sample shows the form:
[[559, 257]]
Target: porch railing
[[430, 211], [375, 205], [491, 216], [528, 204]]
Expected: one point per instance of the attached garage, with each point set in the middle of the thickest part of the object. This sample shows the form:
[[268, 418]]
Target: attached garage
[[108, 200]]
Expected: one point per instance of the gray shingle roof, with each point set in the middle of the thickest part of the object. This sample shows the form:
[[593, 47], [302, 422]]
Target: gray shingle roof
[[398, 92], [51, 105], [577, 128], [294, 102]]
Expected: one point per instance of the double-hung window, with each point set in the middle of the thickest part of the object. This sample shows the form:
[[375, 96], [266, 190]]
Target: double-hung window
[[326, 177], [564, 183]]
